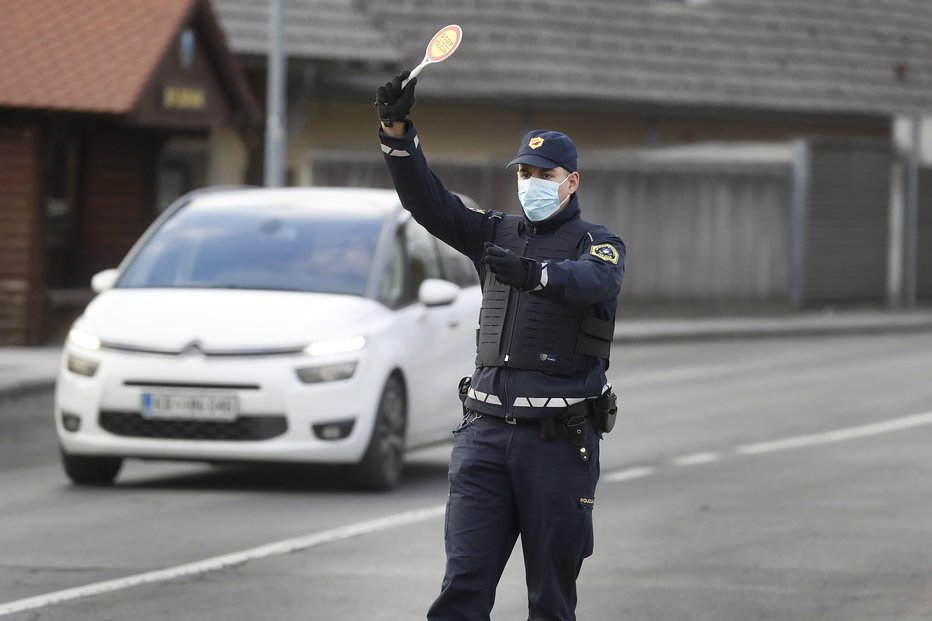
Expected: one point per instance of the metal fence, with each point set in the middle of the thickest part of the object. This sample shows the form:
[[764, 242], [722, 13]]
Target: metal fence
[[806, 224], [696, 233], [924, 236], [842, 225]]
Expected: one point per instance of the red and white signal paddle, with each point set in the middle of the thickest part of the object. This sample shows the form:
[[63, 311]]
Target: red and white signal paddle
[[441, 47]]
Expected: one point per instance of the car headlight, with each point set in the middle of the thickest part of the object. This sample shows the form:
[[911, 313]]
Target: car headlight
[[337, 346], [327, 372], [83, 339], [82, 366]]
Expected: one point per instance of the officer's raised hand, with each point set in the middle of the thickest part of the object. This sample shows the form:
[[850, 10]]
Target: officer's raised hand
[[394, 103], [510, 269]]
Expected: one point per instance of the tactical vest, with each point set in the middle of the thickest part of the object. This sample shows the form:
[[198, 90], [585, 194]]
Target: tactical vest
[[522, 330]]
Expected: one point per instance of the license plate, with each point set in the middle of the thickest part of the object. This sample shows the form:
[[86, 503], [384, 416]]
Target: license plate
[[190, 406]]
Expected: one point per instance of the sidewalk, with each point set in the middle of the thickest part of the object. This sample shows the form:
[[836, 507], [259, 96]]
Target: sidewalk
[[29, 369], [812, 323]]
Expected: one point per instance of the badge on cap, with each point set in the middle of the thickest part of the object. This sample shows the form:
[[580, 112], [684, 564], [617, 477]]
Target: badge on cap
[[606, 252], [535, 142]]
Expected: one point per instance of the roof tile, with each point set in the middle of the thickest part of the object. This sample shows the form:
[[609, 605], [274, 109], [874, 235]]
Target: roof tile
[[315, 30], [92, 55], [856, 56]]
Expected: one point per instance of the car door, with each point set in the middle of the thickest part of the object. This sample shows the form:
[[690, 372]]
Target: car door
[[427, 337], [458, 269]]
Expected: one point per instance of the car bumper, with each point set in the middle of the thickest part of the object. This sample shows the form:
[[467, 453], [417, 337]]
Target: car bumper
[[270, 397]]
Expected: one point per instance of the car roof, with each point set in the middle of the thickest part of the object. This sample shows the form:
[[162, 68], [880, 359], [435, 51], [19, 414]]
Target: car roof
[[363, 202]]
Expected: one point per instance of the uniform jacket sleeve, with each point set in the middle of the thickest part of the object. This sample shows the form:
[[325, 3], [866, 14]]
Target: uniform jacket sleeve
[[437, 209], [594, 277]]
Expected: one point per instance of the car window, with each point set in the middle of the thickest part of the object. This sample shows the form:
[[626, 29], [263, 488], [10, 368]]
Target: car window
[[392, 285], [457, 267], [283, 249], [423, 260]]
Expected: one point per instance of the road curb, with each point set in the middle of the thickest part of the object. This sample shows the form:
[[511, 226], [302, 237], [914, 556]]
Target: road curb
[[673, 334], [663, 331]]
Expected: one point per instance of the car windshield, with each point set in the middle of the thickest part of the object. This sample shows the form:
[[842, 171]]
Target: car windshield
[[278, 248]]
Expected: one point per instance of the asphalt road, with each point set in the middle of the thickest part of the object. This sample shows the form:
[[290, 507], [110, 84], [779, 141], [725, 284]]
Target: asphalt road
[[786, 479]]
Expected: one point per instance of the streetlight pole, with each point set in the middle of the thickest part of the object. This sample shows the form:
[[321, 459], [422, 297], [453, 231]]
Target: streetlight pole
[[275, 98]]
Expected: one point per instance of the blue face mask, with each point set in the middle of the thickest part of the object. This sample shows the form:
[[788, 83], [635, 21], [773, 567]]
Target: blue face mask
[[540, 198]]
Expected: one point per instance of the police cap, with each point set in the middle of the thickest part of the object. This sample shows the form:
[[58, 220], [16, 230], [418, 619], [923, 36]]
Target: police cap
[[546, 149]]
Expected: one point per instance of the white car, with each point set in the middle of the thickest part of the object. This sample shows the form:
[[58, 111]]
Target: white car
[[277, 325]]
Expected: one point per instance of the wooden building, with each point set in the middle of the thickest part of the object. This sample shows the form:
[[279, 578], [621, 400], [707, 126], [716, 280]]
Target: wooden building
[[109, 109]]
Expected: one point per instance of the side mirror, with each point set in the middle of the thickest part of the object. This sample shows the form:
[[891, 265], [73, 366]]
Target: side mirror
[[101, 281], [436, 292]]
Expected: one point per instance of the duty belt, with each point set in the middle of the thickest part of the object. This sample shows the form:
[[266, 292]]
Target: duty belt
[[582, 408], [575, 419]]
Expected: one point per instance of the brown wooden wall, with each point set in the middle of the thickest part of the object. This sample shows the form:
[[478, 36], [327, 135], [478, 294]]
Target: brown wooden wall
[[117, 198], [22, 246]]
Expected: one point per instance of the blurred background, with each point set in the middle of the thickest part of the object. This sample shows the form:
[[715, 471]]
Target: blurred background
[[754, 154]]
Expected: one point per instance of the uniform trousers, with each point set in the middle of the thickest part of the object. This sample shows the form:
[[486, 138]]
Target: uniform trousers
[[506, 481]]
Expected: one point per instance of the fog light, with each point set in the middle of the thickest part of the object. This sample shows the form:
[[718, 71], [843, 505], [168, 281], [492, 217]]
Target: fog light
[[71, 422], [82, 366], [327, 373], [336, 430]]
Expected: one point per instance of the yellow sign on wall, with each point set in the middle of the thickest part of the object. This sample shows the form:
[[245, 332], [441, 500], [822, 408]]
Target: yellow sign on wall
[[183, 98]]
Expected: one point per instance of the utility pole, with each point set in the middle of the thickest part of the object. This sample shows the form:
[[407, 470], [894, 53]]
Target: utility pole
[[798, 217], [275, 98], [911, 214]]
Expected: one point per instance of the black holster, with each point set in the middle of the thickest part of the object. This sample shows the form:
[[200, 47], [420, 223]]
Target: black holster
[[463, 390], [576, 428], [606, 411]]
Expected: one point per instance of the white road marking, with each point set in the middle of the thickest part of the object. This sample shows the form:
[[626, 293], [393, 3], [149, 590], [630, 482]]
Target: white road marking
[[628, 474], [227, 560], [839, 435], [696, 459], [411, 517]]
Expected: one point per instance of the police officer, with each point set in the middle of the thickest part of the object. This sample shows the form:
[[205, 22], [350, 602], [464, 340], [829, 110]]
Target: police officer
[[526, 457]]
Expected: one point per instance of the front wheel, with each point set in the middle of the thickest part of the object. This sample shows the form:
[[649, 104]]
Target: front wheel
[[381, 466], [86, 470]]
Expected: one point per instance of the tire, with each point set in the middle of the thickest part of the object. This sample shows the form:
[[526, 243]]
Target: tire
[[86, 470], [383, 462]]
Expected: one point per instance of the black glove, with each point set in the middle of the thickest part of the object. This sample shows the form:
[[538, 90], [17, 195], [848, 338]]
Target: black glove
[[393, 103], [510, 269]]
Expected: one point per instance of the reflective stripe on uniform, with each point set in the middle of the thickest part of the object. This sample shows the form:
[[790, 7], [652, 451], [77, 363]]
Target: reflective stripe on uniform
[[546, 402], [483, 397], [544, 279], [400, 152], [394, 152]]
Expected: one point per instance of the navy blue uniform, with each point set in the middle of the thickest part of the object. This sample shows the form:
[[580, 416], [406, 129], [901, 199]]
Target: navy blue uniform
[[504, 479]]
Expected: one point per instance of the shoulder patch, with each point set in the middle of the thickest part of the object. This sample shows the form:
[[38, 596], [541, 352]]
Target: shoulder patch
[[606, 252]]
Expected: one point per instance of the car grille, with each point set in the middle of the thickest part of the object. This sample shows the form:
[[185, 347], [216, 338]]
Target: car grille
[[243, 428]]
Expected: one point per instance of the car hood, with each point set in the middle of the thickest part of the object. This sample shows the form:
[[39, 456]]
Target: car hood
[[225, 320]]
